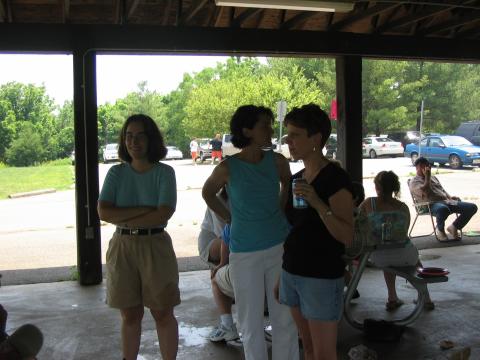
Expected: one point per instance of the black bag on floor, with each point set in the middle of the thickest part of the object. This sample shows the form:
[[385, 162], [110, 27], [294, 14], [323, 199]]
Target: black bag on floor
[[381, 330]]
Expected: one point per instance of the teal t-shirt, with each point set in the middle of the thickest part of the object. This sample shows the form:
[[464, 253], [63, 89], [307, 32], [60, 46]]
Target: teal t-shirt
[[258, 223], [125, 187]]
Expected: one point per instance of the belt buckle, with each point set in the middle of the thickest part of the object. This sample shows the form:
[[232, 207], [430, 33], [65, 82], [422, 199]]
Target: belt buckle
[[134, 232]]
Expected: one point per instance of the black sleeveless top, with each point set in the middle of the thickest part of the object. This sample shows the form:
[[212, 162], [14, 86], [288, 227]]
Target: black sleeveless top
[[310, 249]]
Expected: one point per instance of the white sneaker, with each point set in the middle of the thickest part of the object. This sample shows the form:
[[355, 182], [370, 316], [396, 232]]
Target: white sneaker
[[222, 333], [441, 236], [452, 230]]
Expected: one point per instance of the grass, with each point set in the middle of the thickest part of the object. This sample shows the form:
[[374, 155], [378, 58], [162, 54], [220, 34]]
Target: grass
[[56, 174]]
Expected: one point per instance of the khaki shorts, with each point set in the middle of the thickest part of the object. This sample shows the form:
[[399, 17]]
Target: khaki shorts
[[222, 278], [142, 270]]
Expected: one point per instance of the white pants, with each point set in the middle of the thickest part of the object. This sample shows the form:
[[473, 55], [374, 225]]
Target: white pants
[[254, 274]]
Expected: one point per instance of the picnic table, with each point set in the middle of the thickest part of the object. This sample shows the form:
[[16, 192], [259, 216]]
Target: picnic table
[[362, 248]]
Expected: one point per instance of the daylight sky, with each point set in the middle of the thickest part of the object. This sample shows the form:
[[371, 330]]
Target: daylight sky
[[117, 75]]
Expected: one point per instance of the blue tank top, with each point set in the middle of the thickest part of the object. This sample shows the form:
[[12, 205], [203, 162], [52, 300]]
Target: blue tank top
[[258, 223]]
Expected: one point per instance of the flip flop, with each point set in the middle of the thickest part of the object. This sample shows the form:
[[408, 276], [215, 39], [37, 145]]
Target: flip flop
[[429, 306], [391, 305]]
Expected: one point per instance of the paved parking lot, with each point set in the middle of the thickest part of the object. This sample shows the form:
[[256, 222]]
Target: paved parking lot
[[39, 231]]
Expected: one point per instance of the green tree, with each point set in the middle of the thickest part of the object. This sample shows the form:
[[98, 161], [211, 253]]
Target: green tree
[[452, 95], [389, 102], [65, 129], [20, 104], [239, 82], [27, 149]]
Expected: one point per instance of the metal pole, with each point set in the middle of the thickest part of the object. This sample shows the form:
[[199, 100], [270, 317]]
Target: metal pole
[[421, 124]]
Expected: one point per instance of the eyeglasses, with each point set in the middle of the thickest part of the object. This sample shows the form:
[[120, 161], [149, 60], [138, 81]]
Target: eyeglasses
[[140, 137]]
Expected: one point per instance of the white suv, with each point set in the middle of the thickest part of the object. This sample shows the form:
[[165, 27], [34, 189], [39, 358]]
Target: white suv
[[227, 147], [110, 153]]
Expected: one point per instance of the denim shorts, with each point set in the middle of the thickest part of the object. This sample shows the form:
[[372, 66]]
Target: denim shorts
[[317, 299]]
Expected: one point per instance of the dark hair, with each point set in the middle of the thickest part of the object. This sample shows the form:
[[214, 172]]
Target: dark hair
[[246, 116], [388, 182], [156, 146], [311, 118], [421, 160], [358, 192]]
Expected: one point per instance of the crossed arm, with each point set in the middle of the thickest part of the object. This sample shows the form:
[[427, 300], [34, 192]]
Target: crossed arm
[[130, 217]]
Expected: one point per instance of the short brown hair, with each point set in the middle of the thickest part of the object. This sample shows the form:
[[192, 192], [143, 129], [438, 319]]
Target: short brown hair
[[311, 118], [156, 150]]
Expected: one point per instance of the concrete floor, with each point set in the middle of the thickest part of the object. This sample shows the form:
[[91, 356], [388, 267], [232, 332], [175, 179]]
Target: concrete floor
[[78, 325]]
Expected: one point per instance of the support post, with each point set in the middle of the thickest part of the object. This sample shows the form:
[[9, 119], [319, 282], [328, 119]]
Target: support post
[[86, 167], [349, 114]]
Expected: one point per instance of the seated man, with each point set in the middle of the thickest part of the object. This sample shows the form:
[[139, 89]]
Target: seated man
[[427, 188], [214, 251]]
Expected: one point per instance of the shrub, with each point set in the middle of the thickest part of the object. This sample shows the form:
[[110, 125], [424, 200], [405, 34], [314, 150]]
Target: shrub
[[27, 149]]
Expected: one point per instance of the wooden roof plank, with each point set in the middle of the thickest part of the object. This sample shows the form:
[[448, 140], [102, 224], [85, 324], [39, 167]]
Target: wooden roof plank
[[360, 15], [195, 9], [218, 16], [245, 15], [66, 10], [297, 19], [132, 8], [471, 17], [178, 15], [412, 18], [7, 11], [260, 18], [470, 33], [3, 13], [119, 15], [166, 12]]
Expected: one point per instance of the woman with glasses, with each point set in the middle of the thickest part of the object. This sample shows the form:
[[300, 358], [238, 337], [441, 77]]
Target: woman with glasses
[[139, 197]]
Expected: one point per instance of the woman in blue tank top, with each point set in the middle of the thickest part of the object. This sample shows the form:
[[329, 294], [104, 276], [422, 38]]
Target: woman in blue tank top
[[257, 183]]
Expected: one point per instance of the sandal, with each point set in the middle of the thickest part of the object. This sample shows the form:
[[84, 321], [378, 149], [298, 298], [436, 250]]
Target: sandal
[[429, 305], [393, 304]]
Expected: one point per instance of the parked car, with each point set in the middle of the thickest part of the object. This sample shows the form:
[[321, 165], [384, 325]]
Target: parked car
[[374, 146], [330, 149], [204, 150], [227, 147], [173, 153], [445, 149], [405, 137], [470, 130], [110, 153]]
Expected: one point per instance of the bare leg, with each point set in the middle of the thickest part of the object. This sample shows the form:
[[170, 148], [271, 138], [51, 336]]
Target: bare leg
[[324, 334], [304, 331], [224, 303], [428, 299], [390, 281], [167, 331], [131, 330], [214, 251]]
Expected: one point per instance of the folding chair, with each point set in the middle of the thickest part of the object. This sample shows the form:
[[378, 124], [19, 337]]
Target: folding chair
[[423, 208]]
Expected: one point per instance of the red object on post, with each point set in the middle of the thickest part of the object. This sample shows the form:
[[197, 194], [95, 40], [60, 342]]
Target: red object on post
[[333, 110]]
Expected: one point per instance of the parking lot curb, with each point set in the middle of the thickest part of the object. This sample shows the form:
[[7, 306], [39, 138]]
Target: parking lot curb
[[31, 193]]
